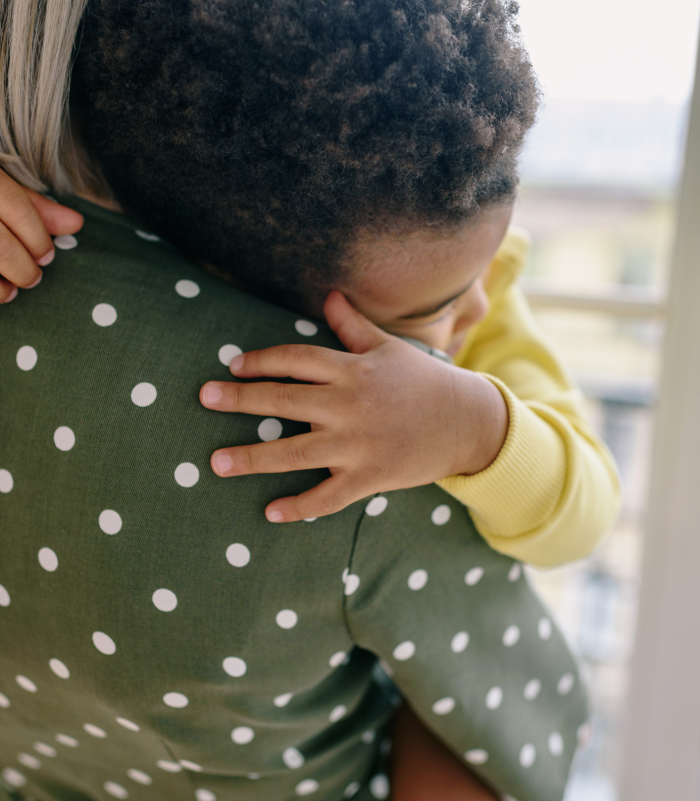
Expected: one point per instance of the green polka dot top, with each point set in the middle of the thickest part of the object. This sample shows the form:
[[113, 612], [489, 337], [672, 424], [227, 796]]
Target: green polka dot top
[[160, 640]]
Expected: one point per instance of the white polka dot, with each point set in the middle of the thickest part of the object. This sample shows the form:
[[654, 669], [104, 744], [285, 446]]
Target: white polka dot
[[64, 739], [293, 758], [473, 576], [510, 636], [283, 700], [565, 684], [368, 737], [204, 795], [544, 628], [176, 700], [26, 684], [379, 786], [345, 575], [515, 572], [64, 438], [139, 776], [238, 555], [4, 702], [441, 514], [306, 328], [95, 731], [143, 394], [59, 668], [386, 667], [48, 559], [444, 706], [242, 735], [351, 790], [494, 698], [26, 358], [418, 579], [310, 519], [170, 767], [459, 642], [6, 481], [104, 643], [193, 766], [110, 522], [583, 733], [555, 742], [532, 689], [128, 724], [29, 761], [376, 506], [351, 584], [404, 651], [270, 429], [4, 596], [103, 314], [235, 667], [307, 787], [65, 242], [286, 619], [477, 756], [337, 713], [13, 777], [227, 353], [116, 790], [44, 749], [528, 754], [146, 236], [186, 474], [337, 659], [165, 600], [187, 289]]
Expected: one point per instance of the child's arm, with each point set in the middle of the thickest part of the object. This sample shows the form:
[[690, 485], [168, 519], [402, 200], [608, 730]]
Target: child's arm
[[388, 416], [558, 477], [27, 222]]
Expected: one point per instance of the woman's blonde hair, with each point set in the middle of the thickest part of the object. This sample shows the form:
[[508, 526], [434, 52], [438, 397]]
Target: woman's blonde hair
[[36, 46]]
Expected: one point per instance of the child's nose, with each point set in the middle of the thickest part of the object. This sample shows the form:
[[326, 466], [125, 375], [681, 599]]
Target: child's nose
[[475, 308]]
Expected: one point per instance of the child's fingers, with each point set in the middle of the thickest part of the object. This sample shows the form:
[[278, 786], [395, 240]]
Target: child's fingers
[[59, 220], [303, 362], [303, 452], [21, 217], [294, 401], [329, 497], [16, 264], [353, 329], [8, 291]]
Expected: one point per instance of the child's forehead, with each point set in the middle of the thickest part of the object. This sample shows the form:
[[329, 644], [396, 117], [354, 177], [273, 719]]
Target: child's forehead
[[401, 273]]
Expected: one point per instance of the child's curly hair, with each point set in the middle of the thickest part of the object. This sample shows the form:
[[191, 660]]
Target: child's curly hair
[[264, 135]]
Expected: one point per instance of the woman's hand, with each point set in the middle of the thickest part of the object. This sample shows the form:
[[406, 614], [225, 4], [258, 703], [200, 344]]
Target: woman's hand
[[384, 416], [27, 222]]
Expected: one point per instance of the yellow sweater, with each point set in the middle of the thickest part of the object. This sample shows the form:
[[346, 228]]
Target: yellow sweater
[[553, 491]]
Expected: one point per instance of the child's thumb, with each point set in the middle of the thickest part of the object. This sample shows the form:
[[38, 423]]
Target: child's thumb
[[353, 329]]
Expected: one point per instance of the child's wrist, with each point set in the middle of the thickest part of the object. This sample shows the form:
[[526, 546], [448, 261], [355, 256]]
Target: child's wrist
[[486, 416]]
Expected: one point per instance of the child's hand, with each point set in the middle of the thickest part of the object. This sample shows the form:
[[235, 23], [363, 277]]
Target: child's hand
[[27, 219], [384, 416]]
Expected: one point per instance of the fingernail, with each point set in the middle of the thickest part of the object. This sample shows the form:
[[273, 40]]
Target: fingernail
[[237, 363], [222, 463], [212, 393], [37, 282], [12, 296], [275, 517], [47, 259]]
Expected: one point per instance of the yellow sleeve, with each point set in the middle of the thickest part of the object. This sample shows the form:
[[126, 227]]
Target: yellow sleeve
[[553, 491]]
